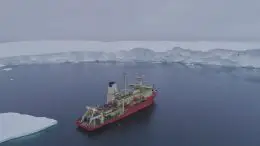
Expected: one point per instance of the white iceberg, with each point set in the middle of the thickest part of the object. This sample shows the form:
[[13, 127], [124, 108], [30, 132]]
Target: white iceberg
[[240, 54], [15, 125], [7, 69]]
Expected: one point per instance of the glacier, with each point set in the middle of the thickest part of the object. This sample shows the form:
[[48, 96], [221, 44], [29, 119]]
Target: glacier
[[238, 54], [15, 125]]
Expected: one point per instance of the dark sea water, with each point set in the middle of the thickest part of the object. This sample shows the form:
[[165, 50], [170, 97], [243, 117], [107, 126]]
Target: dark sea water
[[201, 106]]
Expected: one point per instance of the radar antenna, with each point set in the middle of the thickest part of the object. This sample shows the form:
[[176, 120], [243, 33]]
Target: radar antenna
[[139, 79]]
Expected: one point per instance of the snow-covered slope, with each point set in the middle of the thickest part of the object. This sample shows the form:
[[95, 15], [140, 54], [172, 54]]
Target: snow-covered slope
[[15, 125], [215, 53]]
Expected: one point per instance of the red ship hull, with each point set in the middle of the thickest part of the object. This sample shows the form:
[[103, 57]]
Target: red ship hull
[[129, 111]]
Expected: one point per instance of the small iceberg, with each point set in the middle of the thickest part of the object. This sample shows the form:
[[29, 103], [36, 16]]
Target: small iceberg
[[15, 125], [7, 69]]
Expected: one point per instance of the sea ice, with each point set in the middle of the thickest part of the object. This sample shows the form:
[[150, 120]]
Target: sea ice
[[7, 69], [15, 125]]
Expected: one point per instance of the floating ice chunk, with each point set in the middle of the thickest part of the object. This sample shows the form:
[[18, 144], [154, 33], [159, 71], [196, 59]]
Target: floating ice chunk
[[15, 125], [7, 69]]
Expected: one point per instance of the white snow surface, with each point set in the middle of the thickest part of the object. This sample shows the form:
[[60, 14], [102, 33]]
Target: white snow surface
[[241, 54], [15, 125]]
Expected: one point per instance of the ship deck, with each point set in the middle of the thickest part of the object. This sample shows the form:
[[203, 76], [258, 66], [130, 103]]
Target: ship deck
[[131, 110], [113, 106]]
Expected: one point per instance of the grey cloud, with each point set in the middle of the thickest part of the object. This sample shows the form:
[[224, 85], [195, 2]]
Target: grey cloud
[[129, 19]]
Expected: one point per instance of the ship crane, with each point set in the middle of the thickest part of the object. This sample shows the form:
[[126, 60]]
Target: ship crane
[[92, 109]]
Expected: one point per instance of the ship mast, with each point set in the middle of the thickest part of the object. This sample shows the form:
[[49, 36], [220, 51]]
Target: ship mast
[[125, 83], [124, 92]]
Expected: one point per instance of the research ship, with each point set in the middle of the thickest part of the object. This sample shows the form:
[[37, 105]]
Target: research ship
[[119, 105]]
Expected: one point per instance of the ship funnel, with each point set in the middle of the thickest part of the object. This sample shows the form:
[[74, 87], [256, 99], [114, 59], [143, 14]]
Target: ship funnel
[[111, 91]]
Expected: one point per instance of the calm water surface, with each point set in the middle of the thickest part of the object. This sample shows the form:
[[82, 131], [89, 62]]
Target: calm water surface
[[194, 107]]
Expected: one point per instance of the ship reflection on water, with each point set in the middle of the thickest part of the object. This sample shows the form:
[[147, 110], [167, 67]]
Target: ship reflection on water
[[142, 117]]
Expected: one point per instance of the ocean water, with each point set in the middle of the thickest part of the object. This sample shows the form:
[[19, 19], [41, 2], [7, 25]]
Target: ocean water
[[195, 106]]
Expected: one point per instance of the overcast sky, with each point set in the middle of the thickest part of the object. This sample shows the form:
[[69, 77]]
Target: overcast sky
[[129, 19]]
